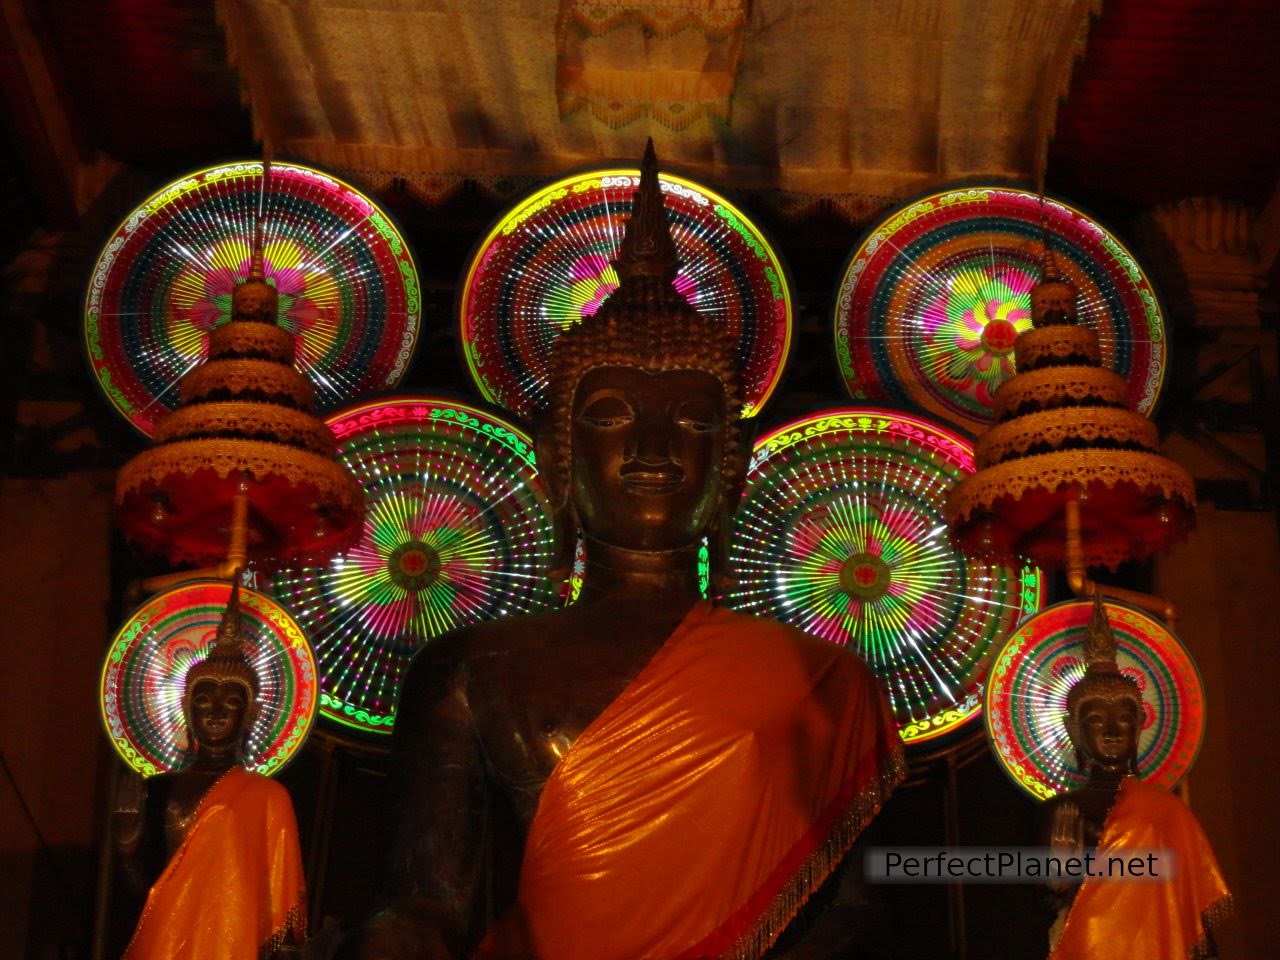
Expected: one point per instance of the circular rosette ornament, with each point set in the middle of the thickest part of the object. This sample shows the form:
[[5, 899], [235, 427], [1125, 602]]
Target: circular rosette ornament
[[143, 677], [840, 533], [548, 263], [1026, 697], [347, 285], [931, 302], [458, 529]]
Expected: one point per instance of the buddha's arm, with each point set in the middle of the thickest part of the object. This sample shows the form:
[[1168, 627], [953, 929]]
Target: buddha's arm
[[440, 810], [137, 830]]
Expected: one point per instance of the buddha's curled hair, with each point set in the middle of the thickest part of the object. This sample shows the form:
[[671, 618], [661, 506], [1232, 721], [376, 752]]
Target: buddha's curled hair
[[644, 324]]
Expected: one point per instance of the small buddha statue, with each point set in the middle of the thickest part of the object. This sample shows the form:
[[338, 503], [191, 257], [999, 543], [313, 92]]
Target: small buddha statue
[[1116, 811], [216, 844], [644, 773]]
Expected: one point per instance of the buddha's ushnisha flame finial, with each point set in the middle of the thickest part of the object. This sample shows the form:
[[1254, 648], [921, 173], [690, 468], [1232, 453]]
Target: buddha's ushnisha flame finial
[[231, 627], [1099, 641], [647, 249], [226, 661], [1102, 676]]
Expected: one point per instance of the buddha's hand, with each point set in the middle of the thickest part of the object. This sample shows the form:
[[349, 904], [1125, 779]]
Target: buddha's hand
[[127, 811], [1066, 839]]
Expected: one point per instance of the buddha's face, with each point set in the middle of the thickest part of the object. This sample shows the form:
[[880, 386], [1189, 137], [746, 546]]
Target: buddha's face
[[648, 451], [218, 713], [1108, 733]]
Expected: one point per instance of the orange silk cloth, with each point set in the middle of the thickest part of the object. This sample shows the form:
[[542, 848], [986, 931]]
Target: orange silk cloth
[[1112, 920], [234, 889], [700, 810]]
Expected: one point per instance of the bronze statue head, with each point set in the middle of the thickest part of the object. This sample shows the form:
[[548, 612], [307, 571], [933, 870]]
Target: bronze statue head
[[220, 692], [639, 435], [1104, 708]]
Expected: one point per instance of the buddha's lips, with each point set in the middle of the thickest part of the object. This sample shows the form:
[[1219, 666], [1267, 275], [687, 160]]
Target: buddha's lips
[[653, 481]]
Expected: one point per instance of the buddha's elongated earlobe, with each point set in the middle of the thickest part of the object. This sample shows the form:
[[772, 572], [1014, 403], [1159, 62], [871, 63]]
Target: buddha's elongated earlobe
[[566, 543], [552, 451], [719, 535]]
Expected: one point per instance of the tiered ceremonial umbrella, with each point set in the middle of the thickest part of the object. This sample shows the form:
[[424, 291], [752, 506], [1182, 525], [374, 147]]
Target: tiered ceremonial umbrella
[[242, 470], [1069, 476]]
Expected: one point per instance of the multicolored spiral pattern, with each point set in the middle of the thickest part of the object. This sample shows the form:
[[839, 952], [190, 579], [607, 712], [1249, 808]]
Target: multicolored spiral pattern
[[1026, 697], [142, 678], [347, 284], [840, 532], [547, 264], [459, 529], [932, 300]]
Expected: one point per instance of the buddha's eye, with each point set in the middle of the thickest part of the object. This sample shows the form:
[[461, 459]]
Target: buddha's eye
[[696, 416], [607, 411]]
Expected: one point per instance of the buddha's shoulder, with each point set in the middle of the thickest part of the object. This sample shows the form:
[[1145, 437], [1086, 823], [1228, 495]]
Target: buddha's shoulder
[[761, 634], [448, 657], [1154, 797], [262, 785]]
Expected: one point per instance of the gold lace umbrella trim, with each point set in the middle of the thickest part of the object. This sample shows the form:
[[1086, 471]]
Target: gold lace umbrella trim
[[1013, 438], [241, 376], [1049, 386], [979, 493], [258, 339], [1034, 347], [262, 461], [262, 421]]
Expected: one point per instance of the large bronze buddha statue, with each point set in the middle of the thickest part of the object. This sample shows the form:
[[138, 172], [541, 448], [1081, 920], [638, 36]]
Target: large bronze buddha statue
[[216, 845], [644, 773], [1115, 811]]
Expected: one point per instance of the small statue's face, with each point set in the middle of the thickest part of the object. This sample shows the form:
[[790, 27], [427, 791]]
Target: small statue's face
[[648, 451], [1109, 733], [218, 713]]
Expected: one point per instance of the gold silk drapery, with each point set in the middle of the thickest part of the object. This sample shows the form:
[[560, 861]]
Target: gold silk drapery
[[1112, 920], [234, 889], [699, 811]]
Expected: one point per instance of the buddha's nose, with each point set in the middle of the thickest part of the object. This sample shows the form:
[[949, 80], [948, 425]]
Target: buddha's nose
[[653, 442]]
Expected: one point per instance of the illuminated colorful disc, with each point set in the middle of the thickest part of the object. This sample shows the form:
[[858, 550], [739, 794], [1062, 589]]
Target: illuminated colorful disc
[[1026, 696], [840, 532], [458, 529], [931, 302], [142, 679], [546, 265], [347, 284]]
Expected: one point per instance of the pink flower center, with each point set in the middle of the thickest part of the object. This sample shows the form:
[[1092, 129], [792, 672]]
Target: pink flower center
[[998, 337]]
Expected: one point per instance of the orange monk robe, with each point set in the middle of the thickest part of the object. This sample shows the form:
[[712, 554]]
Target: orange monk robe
[[1112, 920], [234, 889], [699, 811]]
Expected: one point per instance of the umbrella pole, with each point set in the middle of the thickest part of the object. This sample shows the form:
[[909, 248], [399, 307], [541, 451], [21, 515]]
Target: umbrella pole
[[229, 569], [1080, 584]]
